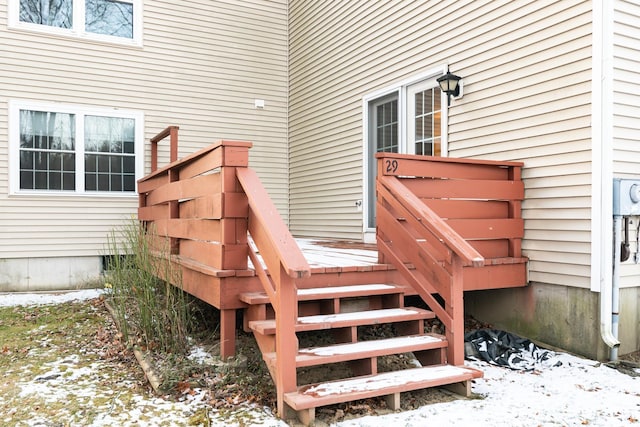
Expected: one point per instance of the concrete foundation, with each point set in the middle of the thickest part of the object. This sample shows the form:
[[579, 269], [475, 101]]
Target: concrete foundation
[[49, 274], [560, 316]]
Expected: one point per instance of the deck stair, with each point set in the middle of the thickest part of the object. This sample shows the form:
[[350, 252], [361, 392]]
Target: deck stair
[[444, 226], [344, 312]]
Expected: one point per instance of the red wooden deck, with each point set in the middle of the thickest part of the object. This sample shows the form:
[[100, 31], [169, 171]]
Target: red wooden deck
[[444, 226]]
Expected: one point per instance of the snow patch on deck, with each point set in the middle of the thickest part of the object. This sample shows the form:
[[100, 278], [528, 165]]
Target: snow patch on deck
[[345, 289], [370, 345], [362, 315], [386, 380]]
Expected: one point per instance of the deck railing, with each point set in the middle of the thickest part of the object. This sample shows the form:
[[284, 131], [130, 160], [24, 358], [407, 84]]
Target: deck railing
[[197, 205], [207, 205], [425, 209], [172, 133]]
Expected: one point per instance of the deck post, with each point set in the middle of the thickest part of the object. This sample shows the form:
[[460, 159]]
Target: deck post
[[286, 339], [455, 337], [227, 333]]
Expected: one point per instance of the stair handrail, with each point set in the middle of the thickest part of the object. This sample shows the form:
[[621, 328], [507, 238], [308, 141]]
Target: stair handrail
[[425, 221], [285, 264], [433, 222]]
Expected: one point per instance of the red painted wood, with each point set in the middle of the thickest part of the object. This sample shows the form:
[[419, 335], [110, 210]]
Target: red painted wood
[[215, 254], [495, 228], [148, 184], [404, 243], [286, 340], [182, 163], [465, 189], [227, 333], [212, 213], [476, 209], [422, 287], [431, 222], [328, 292], [268, 229], [192, 229], [345, 320], [436, 168], [208, 161], [455, 307], [388, 216], [151, 213], [305, 399], [172, 133], [497, 248], [498, 276], [187, 189], [447, 160]]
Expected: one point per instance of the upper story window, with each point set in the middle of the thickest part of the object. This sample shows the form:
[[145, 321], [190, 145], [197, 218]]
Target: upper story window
[[67, 149], [107, 20]]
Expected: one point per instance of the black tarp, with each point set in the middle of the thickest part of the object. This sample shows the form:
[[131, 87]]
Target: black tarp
[[506, 349]]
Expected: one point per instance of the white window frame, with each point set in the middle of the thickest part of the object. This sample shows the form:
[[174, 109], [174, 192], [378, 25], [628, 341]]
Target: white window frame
[[401, 88], [78, 29], [80, 112]]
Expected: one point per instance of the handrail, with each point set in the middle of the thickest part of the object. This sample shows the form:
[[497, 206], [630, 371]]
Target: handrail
[[431, 274], [285, 263], [172, 133], [269, 231], [432, 222]]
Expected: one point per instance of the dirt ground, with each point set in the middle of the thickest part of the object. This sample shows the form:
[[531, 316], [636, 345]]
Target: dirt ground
[[34, 338], [248, 380]]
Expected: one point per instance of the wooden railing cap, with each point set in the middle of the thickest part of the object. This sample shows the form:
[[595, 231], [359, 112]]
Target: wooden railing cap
[[197, 154], [414, 157], [164, 133]]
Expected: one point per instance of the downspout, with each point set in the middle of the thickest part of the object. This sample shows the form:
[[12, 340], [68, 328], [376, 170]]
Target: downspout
[[615, 288], [602, 170]]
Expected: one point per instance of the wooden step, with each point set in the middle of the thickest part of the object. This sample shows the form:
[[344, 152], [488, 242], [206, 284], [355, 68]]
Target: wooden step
[[364, 349], [342, 320], [331, 292], [384, 384]]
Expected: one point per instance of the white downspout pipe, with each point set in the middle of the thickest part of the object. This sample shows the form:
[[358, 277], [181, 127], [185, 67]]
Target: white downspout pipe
[[602, 103], [615, 286], [609, 298]]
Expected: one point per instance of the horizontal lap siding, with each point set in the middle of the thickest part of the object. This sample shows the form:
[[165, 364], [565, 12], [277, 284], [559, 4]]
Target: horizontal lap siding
[[626, 111], [540, 115], [201, 66], [42, 227], [527, 80]]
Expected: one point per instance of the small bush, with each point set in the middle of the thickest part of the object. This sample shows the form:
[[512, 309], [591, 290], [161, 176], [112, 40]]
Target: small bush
[[145, 291]]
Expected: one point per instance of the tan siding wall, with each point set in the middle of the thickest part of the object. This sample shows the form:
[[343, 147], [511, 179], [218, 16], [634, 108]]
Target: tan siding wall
[[527, 69], [202, 65], [626, 112], [626, 98]]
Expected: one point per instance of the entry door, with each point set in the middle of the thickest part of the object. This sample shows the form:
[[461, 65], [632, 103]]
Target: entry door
[[384, 136], [408, 120]]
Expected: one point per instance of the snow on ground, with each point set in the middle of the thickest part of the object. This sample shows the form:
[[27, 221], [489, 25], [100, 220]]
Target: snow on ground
[[579, 392], [43, 298]]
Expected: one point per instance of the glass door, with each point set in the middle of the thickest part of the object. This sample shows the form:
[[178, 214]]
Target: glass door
[[424, 119]]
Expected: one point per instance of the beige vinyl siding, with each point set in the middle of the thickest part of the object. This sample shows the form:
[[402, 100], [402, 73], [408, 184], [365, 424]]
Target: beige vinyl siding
[[626, 97], [202, 65], [541, 115], [526, 67], [626, 113], [40, 228]]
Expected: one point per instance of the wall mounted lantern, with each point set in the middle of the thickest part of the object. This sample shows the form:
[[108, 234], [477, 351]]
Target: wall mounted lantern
[[450, 85]]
